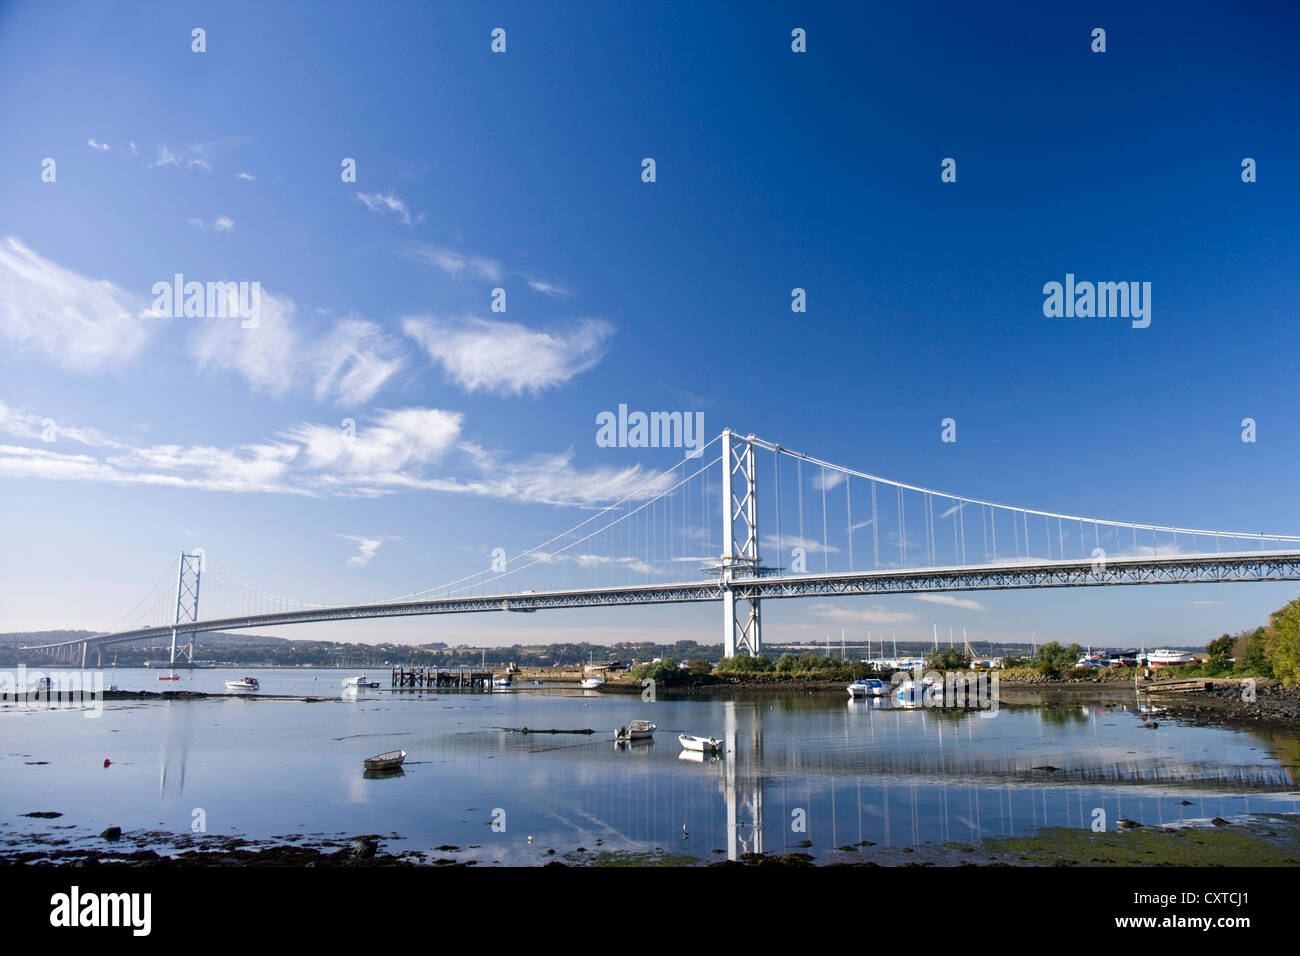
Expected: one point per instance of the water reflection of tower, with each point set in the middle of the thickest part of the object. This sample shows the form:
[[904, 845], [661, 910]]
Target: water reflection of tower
[[743, 783], [182, 741]]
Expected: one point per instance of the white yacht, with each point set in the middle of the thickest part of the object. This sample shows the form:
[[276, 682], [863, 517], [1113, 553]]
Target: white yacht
[[868, 687]]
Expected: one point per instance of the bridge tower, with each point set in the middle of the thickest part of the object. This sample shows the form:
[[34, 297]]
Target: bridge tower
[[741, 626], [187, 600]]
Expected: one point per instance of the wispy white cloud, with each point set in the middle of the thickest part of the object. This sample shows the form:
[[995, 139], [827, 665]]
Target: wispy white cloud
[[876, 614], [221, 223], [408, 450], [78, 323], [966, 604], [546, 288], [24, 424], [788, 541], [389, 450], [267, 355], [102, 147], [366, 548], [348, 364], [484, 268], [354, 361], [200, 159], [826, 480], [165, 158], [456, 264], [508, 358], [386, 202], [248, 176]]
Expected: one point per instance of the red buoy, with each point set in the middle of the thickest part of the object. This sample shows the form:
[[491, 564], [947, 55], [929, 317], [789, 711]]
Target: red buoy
[[107, 761]]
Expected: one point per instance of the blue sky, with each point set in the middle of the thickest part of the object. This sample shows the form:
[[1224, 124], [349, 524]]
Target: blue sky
[[522, 170]]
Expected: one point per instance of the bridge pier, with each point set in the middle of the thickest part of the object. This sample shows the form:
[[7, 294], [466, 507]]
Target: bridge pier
[[743, 630]]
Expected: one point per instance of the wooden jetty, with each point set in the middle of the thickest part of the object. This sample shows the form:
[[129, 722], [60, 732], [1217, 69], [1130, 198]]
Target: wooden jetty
[[441, 678]]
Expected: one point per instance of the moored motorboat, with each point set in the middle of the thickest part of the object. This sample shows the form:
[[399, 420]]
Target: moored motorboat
[[360, 681], [635, 730], [591, 683], [868, 687], [909, 692], [702, 744], [247, 683], [501, 681], [388, 761], [173, 677]]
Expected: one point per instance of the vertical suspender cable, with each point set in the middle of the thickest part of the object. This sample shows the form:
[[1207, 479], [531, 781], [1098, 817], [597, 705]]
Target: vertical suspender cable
[[875, 529], [776, 467], [826, 551], [848, 504]]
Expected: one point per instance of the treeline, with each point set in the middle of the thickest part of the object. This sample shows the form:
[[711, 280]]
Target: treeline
[[792, 667], [1269, 651], [565, 655]]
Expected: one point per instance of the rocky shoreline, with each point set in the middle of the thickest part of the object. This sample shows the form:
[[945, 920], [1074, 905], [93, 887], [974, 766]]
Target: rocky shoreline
[[1223, 701], [1265, 840]]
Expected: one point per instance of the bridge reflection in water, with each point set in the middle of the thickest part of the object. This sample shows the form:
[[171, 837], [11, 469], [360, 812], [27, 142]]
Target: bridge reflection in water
[[795, 769]]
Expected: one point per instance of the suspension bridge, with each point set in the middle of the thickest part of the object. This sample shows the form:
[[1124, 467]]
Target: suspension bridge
[[691, 533]]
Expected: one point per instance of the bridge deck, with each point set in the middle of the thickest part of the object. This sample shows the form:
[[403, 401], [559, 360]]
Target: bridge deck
[[1175, 569]]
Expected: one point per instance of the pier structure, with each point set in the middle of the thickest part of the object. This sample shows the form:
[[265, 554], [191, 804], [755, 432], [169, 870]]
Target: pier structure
[[441, 678]]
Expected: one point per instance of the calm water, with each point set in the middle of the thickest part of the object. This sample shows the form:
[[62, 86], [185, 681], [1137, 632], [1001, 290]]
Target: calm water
[[848, 771]]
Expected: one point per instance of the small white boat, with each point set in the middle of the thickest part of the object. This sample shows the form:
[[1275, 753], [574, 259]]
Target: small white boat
[[386, 761], [702, 744], [591, 683], [360, 681], [868, 687], [501, 681], [909, 693], [248, 683], [635, 730], [1163, 657]]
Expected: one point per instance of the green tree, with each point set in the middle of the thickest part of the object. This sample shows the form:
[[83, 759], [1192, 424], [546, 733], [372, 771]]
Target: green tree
[[744, 664], [1220, 646], [1282, 643], [1249, 650], [945, 659]]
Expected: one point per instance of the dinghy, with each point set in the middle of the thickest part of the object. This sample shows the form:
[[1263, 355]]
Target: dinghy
[[635, 730], [387, 761]]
